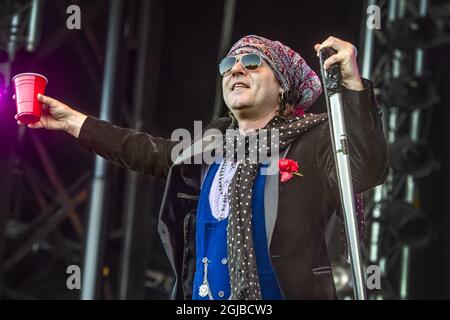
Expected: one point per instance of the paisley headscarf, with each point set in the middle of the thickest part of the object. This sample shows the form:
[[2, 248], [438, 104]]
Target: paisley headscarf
[[300, 83]]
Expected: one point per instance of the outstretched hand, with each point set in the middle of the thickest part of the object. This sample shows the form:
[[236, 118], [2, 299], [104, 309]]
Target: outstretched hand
[[56, 116]]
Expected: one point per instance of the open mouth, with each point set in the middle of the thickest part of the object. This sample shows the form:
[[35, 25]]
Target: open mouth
[[239, 85]]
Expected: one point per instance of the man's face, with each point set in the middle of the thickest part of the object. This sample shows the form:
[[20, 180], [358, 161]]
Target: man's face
[[258, 94]]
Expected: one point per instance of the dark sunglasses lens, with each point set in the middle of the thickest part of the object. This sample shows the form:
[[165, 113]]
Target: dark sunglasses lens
[[251, 61], [226, 65]]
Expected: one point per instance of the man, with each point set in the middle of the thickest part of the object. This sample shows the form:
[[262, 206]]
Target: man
[[231, 232]]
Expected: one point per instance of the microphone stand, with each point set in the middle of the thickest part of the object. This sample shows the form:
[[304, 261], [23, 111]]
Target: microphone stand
[[332, 80]]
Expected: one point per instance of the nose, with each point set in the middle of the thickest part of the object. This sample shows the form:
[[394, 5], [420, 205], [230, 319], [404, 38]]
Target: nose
[[237, 68]]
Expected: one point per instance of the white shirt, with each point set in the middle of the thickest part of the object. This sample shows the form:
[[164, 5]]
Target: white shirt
[[215, 198]]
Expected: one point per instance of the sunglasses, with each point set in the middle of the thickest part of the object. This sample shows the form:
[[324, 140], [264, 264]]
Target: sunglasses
[[250, 62]]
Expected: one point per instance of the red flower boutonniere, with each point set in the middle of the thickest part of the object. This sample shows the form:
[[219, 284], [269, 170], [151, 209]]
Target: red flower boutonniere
[[288, 168]]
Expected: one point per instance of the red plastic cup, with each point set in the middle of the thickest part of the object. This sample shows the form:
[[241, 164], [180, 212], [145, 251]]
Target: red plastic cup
[[27, 86]]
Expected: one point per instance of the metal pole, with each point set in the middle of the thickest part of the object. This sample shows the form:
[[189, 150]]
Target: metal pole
[[368, 47], [34, 29], [91, 265], [396, 10], [378, 192], [13, 36], [333, 95], [346, 188], [410, 183], [225, 43], [393, 13], [132, 176]]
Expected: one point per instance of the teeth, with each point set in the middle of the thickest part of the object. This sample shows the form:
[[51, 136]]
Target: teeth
[[239, 85]]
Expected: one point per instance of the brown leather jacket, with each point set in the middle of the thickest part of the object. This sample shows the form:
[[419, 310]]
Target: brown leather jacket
[[297, 210]]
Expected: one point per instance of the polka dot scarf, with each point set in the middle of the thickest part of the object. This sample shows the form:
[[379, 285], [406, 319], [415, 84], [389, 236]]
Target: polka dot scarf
[[242, 267]]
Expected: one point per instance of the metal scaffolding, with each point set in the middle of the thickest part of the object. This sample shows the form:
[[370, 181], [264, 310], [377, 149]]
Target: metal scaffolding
[[25, 233], [395, 204], [58, 203]]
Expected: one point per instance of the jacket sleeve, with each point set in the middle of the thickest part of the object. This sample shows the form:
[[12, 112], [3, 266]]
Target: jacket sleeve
[[128, 148], [367, 143]]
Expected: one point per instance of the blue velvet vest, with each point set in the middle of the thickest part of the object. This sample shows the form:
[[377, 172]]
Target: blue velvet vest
[[211, 242]]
